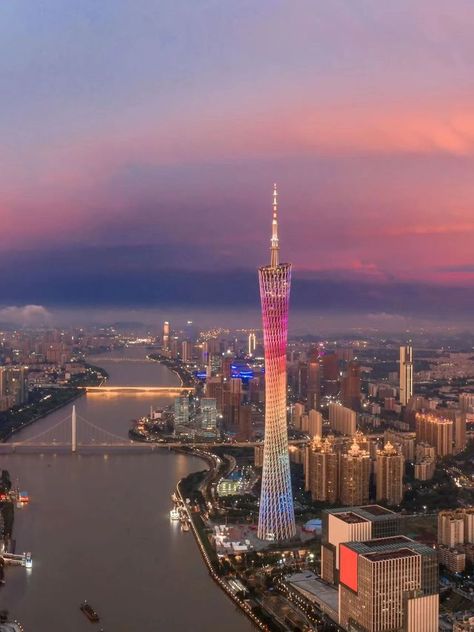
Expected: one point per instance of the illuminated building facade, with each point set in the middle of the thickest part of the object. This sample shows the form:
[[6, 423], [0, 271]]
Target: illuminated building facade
[[390, 471], [166, 336], [252, 343], [276, 515], [435, 430], [388, 584]]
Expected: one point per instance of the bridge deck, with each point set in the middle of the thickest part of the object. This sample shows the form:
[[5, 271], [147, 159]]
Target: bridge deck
[[145, 389]]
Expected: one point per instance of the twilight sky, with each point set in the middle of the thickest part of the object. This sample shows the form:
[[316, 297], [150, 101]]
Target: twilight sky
[[139, 140]]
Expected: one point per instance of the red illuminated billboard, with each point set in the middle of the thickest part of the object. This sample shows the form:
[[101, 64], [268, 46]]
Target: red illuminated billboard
[[348, 561]]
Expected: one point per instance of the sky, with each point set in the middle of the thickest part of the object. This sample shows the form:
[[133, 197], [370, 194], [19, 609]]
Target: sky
[[139, 142]]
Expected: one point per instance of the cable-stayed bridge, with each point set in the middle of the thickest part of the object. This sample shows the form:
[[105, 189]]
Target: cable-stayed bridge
[[73, 433]]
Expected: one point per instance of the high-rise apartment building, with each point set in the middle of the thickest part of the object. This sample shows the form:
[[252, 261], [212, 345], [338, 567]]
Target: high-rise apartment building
[[322, 471], [455, 537], [342, 419], [389, 475], [315, 424], [451, 528], [406, 374], [466, 402], [354, 476], [425, 461], [388, 584], [404, 441], [435, 430], [276, 514], [297, 415]]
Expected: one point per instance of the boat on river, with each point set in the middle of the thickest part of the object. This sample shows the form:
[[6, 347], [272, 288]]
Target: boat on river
[[89, 611], [174, 514]]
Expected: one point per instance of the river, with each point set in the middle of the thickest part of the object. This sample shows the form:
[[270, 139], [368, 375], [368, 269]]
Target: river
[[98, 527]]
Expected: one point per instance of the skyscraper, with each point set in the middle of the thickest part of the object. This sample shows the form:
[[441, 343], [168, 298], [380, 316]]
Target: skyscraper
[[166, 336], [350, 387], [313, 389], [252, 343], [276, 516], [406, 374]]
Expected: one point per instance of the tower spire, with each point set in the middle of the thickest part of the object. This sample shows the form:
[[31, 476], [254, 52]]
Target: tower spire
[[274, 241]]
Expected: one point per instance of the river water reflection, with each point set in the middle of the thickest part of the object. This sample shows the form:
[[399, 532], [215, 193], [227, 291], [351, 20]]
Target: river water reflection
[[98, 528]]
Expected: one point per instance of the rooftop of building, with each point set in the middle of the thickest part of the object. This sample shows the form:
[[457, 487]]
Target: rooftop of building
[[390, 545], [351, 518], [315, 589], [376, 510], [390, 555], [396, 539], [373, 513]]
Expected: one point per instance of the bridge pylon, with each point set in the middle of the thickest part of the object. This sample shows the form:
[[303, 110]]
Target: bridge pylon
[[73, 430]]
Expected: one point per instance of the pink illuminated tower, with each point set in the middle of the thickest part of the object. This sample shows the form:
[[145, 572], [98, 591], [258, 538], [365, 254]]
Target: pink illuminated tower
[[276, 518]]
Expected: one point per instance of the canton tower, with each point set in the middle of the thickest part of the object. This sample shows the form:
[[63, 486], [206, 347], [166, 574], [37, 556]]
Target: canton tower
[[276, 519]]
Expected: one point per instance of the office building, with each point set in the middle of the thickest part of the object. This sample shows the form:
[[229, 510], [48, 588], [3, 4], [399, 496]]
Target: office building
[[208, 413], [350, 525], [390, 469], [388, 584], [186, 351], [252, 343], [350, 386], [313, 386], [330, 374], [276, 519], [406, 374], [165, 346], [181, 411]]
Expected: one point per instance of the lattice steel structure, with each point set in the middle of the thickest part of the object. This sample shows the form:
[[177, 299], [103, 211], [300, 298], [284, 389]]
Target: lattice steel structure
[[276, 517]]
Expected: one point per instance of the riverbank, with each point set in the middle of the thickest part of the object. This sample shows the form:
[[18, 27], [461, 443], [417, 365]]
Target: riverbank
[[177, 367], [157, 552], [208, 554], [46, 400]]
